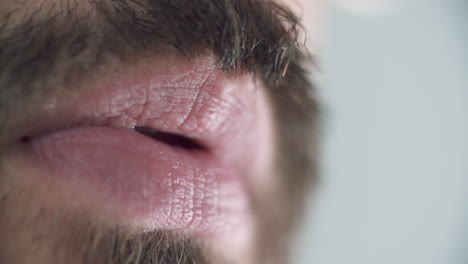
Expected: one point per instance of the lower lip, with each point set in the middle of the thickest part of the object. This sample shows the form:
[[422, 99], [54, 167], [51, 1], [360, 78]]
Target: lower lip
[[140, 180]]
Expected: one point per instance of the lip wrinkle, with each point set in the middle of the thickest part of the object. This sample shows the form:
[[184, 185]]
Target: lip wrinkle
[[171, 139]]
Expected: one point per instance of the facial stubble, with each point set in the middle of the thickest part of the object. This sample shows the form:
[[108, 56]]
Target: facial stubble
[[46, 51]]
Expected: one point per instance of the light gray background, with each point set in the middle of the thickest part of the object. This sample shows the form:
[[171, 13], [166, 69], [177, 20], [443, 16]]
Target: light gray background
[[395, 154]]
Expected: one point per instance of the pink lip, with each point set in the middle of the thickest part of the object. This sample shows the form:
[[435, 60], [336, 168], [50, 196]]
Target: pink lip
[[142, 179], [86, 143]]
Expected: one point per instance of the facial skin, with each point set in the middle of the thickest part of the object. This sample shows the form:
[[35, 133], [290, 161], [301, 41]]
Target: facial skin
[[153, 131]]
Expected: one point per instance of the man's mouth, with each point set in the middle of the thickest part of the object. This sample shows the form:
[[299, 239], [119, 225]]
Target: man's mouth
[[169, 145]]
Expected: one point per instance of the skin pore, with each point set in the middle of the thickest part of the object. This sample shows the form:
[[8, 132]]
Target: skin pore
[[248, 62]]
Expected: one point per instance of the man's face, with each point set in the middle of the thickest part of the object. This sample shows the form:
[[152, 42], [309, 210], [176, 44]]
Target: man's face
[[152, 131]]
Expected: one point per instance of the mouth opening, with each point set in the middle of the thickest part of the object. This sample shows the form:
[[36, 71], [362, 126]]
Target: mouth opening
[[171, 139]]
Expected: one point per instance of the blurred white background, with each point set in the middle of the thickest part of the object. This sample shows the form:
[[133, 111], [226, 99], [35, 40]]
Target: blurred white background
[[395, 153]]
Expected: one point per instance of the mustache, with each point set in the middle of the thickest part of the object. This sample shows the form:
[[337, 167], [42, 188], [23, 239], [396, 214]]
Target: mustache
[[60, 44]]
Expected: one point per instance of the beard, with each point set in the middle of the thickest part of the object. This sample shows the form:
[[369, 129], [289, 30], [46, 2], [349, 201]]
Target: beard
[[34, 232], [42, 52]]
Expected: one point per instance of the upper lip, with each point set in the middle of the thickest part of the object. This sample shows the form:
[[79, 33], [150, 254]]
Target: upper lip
[[183, 102]]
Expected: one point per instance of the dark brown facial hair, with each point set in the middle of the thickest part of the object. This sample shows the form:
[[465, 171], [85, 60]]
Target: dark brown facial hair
[[45, 48]]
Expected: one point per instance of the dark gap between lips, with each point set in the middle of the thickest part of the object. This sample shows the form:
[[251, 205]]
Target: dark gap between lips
[[170, 139]]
